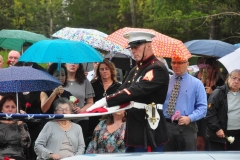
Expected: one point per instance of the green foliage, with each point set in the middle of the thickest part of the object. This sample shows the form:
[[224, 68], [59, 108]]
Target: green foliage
[[4, 54], [181, 19], [98, 14]]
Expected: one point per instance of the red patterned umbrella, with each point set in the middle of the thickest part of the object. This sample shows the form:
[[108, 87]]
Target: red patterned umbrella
[[162, 45]]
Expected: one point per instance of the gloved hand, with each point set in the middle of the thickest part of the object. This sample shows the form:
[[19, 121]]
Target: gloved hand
[[102, 102]]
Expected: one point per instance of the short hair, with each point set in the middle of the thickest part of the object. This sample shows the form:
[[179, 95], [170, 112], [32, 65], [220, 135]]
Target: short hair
[[61, 100], [7, 98], [112, 68], [13, 51], [230, 74], [54, 66]]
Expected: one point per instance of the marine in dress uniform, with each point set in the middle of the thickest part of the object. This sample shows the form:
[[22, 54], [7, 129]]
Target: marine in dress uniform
[[147, 83]]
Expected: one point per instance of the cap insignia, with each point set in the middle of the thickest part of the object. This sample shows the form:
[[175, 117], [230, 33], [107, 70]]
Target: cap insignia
[[127, 36]]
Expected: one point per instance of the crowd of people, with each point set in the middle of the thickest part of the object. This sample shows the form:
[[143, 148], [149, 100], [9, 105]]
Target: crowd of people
[[172, 110]]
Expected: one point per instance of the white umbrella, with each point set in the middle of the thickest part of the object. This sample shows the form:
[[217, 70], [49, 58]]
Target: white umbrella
[[231, 61]]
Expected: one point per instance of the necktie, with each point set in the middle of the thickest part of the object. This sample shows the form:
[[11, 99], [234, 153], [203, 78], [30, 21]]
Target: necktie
[[173, 98]]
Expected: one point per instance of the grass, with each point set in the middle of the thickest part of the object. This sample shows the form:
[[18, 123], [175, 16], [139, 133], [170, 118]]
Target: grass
[[4, 54]]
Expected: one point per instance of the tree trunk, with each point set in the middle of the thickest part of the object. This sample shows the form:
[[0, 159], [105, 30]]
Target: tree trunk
[[212, 29], [133, 14], [50, 19]]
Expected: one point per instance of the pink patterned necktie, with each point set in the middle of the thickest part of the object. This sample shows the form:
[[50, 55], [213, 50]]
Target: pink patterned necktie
[[173, 98]]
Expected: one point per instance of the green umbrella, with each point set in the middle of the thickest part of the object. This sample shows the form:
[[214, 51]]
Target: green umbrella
[[14, 39]]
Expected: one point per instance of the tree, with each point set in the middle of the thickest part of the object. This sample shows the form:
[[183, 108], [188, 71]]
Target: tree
[[97, 14], [6, 14]]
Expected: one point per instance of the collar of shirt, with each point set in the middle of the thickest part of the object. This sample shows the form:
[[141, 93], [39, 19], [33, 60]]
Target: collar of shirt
[[182, 77]]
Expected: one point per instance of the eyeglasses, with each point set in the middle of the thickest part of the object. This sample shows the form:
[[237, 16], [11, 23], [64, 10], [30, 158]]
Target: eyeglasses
[[235, 79], [178, 63], [62, 109]]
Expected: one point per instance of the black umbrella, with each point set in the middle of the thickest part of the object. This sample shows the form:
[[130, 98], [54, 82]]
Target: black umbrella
[[121, 61]]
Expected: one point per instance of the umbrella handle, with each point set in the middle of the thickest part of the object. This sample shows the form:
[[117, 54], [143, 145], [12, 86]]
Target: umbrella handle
[[59, 95]]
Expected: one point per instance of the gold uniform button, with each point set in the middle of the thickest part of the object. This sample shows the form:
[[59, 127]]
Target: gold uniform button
[[140, 64], [137, 68], [133, 80], [129, 81]]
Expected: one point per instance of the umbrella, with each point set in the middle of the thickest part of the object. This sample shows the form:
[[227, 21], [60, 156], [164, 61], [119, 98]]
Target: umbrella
[[238, 44], [162, 45], [26, 79], [214, 48], [192, 69], [14, 39], [231, 61], [77, 33], [121, 61], [60, 51], [92, 37]]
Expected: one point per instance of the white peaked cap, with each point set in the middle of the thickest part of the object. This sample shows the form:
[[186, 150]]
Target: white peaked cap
[[138, 35]]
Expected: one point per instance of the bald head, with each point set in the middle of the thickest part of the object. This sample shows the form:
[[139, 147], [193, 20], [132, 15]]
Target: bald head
[[13, 57], [1, 61]]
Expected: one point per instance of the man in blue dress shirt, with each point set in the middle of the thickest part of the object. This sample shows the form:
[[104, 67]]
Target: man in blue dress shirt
[[191, 103]]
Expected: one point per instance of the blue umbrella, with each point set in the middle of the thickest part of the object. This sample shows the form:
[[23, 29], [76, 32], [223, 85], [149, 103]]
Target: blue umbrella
[[26, 79], [238, 44], [213, 48], [61, 51]]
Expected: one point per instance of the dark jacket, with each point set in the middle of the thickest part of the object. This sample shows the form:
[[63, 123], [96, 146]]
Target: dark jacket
[[99, 90], [216, 118], [99, 94], [146, 83]]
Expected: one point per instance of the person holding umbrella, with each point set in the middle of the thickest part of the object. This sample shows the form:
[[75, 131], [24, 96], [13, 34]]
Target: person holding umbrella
[[209, 74], [212, 77], [146, 85], [48, 97]]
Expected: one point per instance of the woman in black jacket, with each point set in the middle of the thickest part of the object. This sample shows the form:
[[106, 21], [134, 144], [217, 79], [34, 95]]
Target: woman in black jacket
[[223, 116]]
